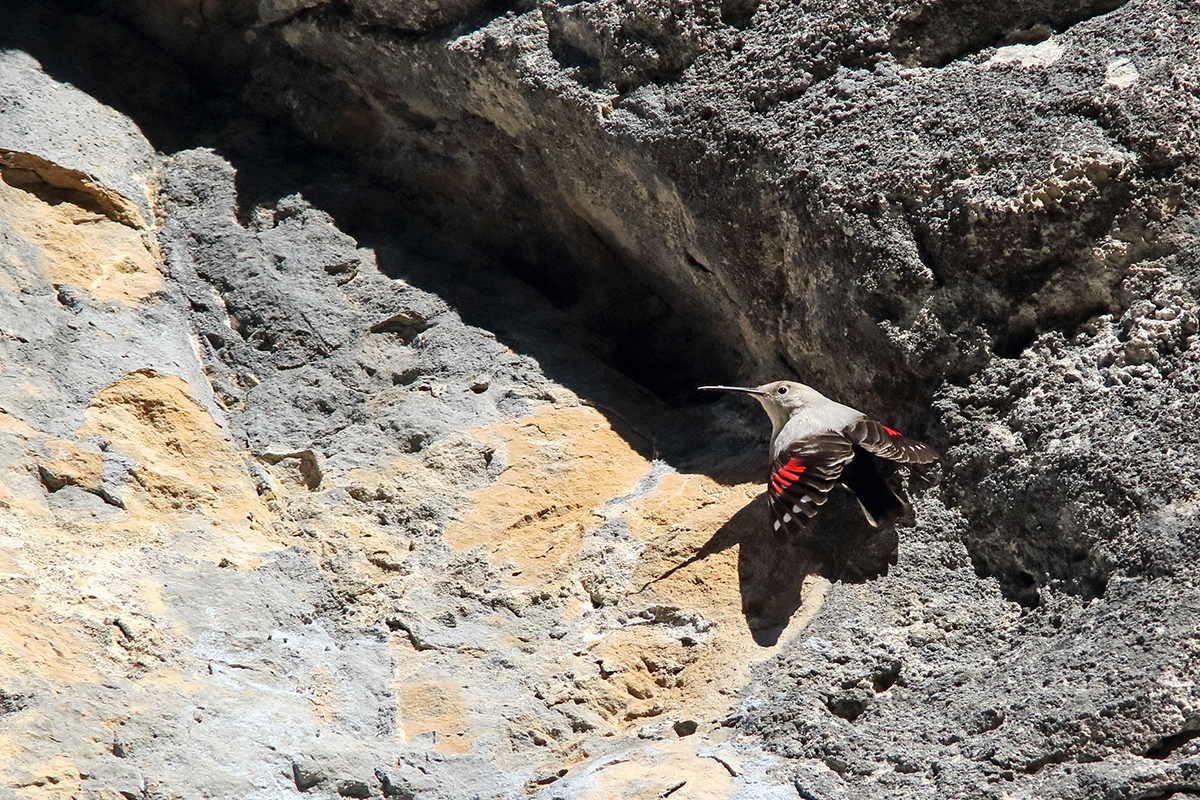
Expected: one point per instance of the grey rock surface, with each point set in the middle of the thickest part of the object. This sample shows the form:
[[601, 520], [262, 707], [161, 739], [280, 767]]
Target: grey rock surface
[[348, 486], [72, 130], [57, 338], [951, 210]]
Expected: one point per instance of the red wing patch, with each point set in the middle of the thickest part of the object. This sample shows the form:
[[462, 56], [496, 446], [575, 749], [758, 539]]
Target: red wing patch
[[882, 441], [801, 477], [785, 475]]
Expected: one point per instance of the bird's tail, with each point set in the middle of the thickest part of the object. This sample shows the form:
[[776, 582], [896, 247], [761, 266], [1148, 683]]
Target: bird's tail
[[880, 504]]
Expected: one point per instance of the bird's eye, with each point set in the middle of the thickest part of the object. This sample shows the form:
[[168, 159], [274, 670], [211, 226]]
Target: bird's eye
[[781, 390]]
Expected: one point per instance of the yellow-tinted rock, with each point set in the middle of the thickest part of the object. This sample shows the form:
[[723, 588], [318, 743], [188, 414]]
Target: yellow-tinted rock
[[434, 706], [656, 771], [562, 463], [564, 467], [184, 460], [83, 247]]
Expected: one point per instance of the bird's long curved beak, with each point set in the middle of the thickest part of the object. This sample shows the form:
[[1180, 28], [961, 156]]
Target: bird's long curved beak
[[742, 389]]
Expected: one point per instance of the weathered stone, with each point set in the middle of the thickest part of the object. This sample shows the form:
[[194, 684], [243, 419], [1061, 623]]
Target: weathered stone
[[289, 509]]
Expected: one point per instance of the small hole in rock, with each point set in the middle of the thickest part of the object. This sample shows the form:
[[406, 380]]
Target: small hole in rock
[[1015, 339], [885, 678], [685, 727], [848, 708], [405, 378]]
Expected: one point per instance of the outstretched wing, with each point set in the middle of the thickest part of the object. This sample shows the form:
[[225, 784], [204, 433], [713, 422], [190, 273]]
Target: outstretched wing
[[802, 475], [882, 441]]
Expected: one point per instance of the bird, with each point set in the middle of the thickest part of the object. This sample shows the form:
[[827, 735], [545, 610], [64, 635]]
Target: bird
[[817, 443]]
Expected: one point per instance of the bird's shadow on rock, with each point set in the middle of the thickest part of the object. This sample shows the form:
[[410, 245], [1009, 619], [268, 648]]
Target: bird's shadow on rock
[[838, 545]]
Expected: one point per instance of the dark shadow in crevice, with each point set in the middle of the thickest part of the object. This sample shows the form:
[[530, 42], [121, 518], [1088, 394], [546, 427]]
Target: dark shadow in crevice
[[941, 33], [440, 24], [738, 13], [1167, 745], [1016, 584], [1021, 573], [596, 328], [1032, 285]]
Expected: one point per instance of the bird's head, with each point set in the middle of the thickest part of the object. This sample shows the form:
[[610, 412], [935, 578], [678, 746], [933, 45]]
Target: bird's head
[[779, 398]]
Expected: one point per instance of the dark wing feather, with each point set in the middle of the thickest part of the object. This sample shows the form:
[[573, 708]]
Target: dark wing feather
[[802, 475], [884, 442]]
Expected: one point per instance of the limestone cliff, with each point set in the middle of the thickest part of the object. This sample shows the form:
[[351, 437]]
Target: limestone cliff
[[347, 440]]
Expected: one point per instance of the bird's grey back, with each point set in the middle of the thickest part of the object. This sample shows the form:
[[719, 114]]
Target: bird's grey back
[[818, 417]]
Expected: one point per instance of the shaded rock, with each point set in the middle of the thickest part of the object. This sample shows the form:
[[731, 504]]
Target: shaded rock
[[339, 479], [601, 129]]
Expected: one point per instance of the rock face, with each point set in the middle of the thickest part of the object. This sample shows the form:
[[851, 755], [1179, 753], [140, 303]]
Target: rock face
[[331, 472]]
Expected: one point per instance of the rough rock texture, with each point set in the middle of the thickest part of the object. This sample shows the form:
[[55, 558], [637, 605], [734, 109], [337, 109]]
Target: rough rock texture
[[952, 209], [276, 523], [330, 471]]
